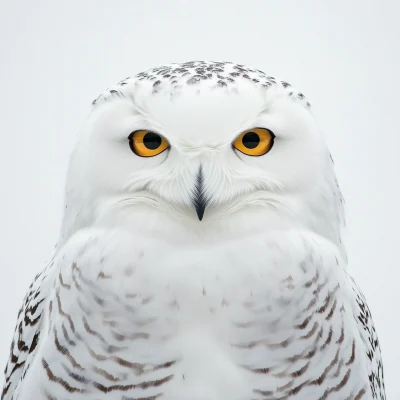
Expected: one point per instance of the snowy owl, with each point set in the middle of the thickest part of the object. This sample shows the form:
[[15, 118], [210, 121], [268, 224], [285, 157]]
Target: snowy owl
[[200, 254]]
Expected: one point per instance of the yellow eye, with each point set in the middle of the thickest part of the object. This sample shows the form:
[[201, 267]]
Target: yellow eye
[[146, 143], [254, 142]]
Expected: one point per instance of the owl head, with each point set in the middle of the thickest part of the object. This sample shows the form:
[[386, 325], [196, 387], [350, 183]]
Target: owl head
[[202, 146]]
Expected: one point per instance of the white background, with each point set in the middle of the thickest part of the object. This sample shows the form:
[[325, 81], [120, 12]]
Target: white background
[[56, 56]]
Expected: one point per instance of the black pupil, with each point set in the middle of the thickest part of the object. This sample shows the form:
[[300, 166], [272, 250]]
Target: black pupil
[[152, 141], [251, 140]]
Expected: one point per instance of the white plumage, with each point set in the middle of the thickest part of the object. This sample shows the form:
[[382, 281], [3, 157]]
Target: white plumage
[[142, 300]]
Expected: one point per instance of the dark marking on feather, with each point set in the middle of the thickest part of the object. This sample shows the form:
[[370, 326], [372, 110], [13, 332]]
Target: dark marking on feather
[[124, 388], [60, 381]]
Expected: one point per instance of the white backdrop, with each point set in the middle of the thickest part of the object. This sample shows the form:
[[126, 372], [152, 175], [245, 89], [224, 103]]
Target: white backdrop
[[56, 56]]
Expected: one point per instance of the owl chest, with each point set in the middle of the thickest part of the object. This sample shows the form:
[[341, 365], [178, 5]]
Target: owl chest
[[227, 320], [126, 295], [165, 290]]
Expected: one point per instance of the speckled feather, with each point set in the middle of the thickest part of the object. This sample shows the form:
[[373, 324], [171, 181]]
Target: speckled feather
[[128, 314]]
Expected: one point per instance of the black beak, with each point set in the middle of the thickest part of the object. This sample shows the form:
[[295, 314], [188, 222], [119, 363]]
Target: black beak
[[200, 210], [199, 199]]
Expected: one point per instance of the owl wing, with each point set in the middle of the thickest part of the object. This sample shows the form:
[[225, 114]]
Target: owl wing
[[362, 315], [26, 334]]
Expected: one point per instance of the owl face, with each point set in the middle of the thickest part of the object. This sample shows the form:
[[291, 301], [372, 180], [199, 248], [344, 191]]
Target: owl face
[[202, 151]]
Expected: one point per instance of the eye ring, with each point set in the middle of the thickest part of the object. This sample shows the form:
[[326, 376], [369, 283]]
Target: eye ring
[[254, 142], [146, 143]]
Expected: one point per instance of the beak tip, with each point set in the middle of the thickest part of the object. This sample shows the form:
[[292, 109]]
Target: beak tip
[[200, 212]]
